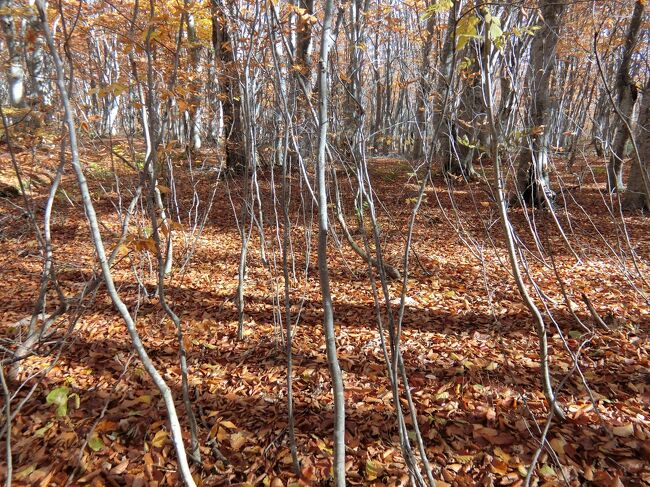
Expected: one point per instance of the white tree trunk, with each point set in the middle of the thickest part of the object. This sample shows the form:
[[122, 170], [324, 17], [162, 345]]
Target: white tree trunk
[[323, 270]]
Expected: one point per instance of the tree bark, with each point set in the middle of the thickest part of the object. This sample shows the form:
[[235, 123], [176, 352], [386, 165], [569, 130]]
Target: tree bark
[[302, 60], [196, 85], [636, 195], [442, 144], [16, 72], [533, 183], [323, 266], [627, 93], [229, 92], [424, 91], [513, 252]]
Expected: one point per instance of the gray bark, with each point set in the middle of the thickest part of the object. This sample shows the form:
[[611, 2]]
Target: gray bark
[[229, 94], [424, 90], [627, 93], [323, 269], [533, 183], [444, 86], [194, 112], [16, 72], [636, 195], [39, 68]]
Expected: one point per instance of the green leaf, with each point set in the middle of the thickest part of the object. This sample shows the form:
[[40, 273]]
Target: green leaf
[[547, 471], [59, 397], [464, 141], [40, 432], [95, 443], [436, 7]]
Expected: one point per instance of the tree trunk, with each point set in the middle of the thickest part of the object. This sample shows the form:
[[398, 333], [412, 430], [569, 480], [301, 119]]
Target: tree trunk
[[302, 61], [16, 72], [196, 85], [464, 125], [442, 144], [323, 266], [636, 195], [627, 93], [533, 182], [424, 91], [41, 86], [229, 92], [93, 222]]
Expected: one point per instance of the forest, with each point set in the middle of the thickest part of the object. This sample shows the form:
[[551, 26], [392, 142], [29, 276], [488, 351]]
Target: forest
[[288, 243]]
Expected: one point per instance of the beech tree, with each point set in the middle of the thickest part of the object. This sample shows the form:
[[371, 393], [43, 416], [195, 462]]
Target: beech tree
[[365, 241], [533, 172], [636, 194], [626, 96]]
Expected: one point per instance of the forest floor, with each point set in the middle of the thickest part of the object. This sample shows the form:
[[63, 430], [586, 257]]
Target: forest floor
[[468, 341]]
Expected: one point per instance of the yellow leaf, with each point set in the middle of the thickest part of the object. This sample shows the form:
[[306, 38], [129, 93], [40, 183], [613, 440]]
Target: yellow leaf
[[221, 434], [466, 30], [287, 459], [159, 439], [122, 250], [21, 474], [228, 424], [501, 454], [116, 89], [623, 431], [373, 470]]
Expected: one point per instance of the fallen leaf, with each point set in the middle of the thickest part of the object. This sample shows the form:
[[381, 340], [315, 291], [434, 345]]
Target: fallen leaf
[[95, 443], [623, 431], [237, 440], [159, 439]]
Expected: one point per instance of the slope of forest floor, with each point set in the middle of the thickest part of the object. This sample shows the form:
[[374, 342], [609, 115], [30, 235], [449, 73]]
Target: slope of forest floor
[[468, 341]]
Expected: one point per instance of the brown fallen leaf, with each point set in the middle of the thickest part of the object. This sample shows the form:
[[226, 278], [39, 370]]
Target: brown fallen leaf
[[604, 479], [624, 431], [237, 440], [119, 468]]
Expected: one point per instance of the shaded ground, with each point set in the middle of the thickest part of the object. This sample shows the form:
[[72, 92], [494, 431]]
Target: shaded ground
[[468, 344]]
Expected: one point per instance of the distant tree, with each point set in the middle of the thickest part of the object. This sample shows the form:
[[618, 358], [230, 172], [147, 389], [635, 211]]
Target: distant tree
[[626, 96], [229, 92]]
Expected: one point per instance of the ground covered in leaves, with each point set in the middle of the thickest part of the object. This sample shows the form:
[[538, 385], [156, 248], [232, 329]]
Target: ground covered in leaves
[[468, 342]]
